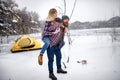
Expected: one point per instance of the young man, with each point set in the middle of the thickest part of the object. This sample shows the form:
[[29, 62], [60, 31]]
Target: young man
[[56, 41]]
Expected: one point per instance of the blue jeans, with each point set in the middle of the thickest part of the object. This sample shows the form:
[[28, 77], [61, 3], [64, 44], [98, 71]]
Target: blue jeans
[[46, 44], [63, 43], [50, 53]]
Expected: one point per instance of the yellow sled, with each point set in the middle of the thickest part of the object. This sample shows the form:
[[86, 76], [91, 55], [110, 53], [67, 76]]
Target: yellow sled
[[25, 43]]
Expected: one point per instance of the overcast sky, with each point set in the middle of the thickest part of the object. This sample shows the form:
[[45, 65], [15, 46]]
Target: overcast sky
[[86, 10]]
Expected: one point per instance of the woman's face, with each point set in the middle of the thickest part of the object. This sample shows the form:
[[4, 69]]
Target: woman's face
[[55, 15]]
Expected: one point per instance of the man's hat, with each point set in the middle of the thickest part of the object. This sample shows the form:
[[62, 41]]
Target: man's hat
[[65, 17]]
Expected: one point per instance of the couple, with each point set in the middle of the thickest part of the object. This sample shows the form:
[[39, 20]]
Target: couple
[[53, 37]]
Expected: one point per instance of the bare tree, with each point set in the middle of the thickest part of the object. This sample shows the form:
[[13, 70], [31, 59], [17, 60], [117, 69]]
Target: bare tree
[[63, 10], [73, 8], [68, 33], [64, 7], [60, 10]]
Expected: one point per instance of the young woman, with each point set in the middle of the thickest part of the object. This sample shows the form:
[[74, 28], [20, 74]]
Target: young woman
[[50, 21]]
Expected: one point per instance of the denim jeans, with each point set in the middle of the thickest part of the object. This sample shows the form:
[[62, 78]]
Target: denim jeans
[[50, 53], [46, 44], [63, 43]]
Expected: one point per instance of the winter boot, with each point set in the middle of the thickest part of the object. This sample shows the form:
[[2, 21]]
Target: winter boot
[[61, 71], [52, 76], [40, 59]]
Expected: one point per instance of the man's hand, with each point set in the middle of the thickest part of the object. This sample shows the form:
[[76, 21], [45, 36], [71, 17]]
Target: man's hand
[[66, 29]]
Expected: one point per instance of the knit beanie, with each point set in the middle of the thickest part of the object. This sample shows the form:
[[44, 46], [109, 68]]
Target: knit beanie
[[65, 17]]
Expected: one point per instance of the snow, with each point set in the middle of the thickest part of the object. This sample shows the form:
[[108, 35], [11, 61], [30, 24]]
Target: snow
[[102, 55], [15, 21], [1, 24], [35, 22]]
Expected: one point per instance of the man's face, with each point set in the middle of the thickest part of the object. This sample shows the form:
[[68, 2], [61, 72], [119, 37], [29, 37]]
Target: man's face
[[65, 22]]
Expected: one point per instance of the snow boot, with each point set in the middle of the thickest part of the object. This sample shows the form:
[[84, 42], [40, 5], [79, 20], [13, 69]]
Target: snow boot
[[61, 71], [40, 59], [52, 76]]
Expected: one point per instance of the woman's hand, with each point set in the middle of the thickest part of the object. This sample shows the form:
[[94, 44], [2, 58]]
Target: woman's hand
[[57, 30]]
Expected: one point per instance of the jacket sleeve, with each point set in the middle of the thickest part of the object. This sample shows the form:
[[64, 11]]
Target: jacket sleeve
[[47, 30], [48, 33]]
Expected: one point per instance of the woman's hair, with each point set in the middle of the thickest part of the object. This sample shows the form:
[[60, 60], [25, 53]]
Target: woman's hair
[[51, 15], [52, 11]]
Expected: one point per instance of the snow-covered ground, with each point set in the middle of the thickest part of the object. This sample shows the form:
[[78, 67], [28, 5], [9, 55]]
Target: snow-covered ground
[[102, 55]]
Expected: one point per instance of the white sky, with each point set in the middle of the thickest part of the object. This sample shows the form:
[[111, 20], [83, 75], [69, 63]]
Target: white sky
[[86, 10]]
